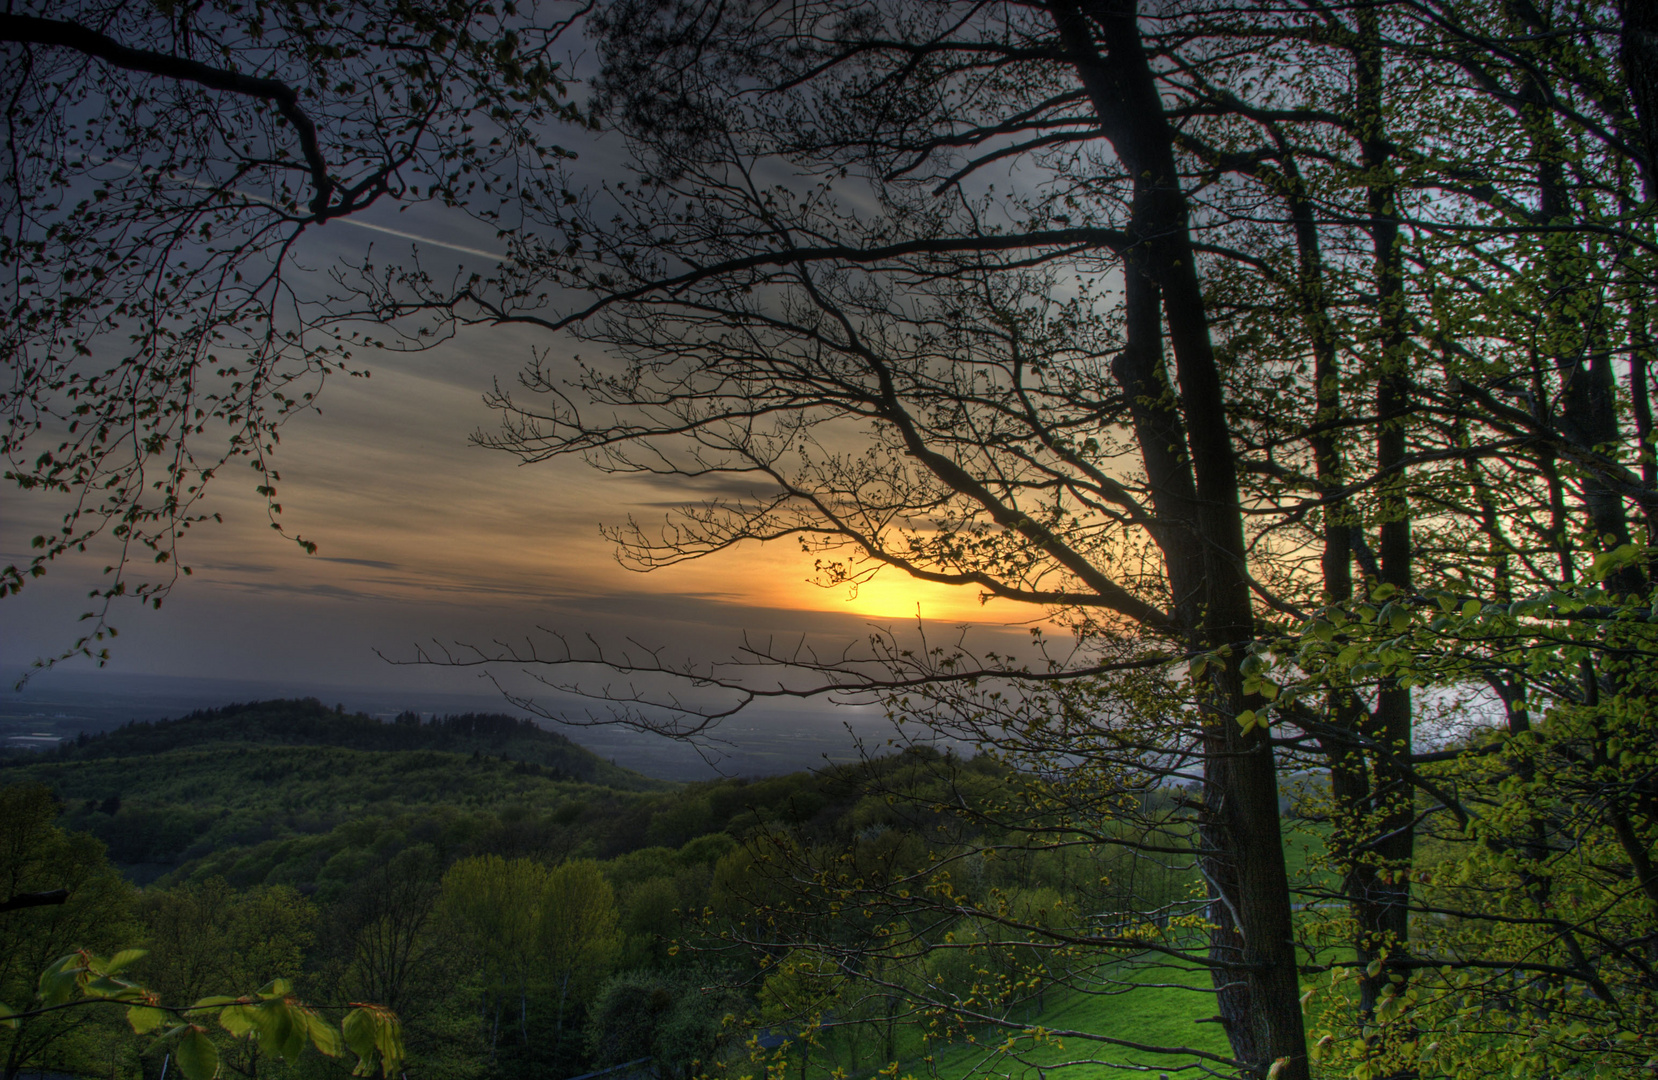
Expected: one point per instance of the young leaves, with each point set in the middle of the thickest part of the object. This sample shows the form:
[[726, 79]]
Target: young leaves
[[196, 1055], [375, 1036], [282, 1024]]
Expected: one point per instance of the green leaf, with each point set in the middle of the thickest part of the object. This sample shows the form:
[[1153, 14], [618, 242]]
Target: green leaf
[[389, 1041], [276, 988], [294, 1030], [237, 1019], [1608, 561], [324, 1036], [145, 1019], [197, 1057], [105, 987], [7, 1016], [374, 1034], [213, 1001], [59, 980], [124, 958], [1471, 609], [358, 1030], [278, 1033]]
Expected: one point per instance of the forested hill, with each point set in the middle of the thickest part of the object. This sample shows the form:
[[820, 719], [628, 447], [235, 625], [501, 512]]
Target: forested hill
[[308, 722], [273, 791]]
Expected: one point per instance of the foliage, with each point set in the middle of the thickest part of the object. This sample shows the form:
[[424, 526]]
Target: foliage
[[614, 939], [281, 802], [383, 940], [546, 936], [1529, 889], [36, 856], [280, 1024], [1304, 376], [206, 938], [676, 1018]]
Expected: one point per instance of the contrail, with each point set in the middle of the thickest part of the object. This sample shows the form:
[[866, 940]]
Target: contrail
[[495, 255], [348, 220]]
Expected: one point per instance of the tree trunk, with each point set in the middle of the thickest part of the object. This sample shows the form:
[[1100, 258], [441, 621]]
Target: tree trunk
[[1639, 53], [1379, 886], [1242, 849]]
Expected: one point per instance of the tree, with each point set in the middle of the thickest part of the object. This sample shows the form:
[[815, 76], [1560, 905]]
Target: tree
[[390, 919], [541, 933], [37, 857], [211, 937], [675, 1018], [990, 460], [1305, 345], [386, 941], [206, 939], [496, 902], [1306, 365], [164, 163], [578, 932]]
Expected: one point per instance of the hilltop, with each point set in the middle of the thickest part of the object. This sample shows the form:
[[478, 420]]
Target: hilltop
[[308, 722]]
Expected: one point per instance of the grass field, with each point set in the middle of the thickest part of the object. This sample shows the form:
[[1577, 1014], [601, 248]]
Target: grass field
[[1163, 1011], [1165, 1015]]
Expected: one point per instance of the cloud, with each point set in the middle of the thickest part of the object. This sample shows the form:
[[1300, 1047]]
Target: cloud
[[237, 568], [702, 488]]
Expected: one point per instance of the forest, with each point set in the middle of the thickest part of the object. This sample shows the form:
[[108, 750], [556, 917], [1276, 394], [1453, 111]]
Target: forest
[[520, 921], [1288, 368]]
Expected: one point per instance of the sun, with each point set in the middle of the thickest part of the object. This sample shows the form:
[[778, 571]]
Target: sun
[[779, 576], [893, 595]]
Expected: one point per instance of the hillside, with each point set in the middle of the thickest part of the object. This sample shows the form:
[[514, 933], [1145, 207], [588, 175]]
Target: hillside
[[357, 829], [301, 783]]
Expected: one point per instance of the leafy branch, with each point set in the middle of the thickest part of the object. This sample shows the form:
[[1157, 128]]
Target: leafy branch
[[281, 1023]]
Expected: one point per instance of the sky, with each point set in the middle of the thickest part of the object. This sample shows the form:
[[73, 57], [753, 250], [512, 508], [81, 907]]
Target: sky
[[424, 538]]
